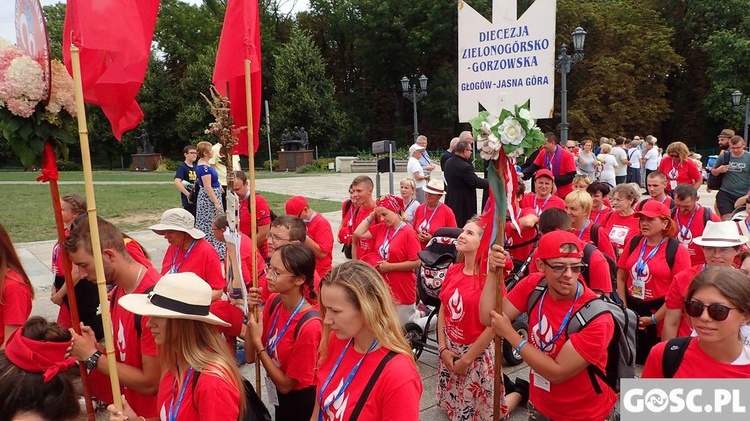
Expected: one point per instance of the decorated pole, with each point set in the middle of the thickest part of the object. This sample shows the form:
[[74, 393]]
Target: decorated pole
[[88, 178], [502, 140]]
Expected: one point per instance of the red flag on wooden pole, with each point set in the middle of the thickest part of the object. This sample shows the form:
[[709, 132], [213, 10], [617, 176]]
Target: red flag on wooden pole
[[240, 34], [114, 39]]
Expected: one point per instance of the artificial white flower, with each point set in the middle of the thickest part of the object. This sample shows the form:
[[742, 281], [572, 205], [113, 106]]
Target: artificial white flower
[[491, 148], [511, 132], [486, 128], [526, 115]]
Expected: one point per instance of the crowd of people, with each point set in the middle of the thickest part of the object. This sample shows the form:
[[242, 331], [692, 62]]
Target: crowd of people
[[331, 337]]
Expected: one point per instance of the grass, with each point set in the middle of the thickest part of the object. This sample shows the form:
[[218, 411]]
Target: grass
[[28, 214], [166, 177]]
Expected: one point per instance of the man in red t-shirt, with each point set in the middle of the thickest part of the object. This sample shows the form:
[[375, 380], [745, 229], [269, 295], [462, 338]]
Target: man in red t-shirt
[[543, 199], [263, 216], [188, 251], [556, 159], [691, 219], [561, 387], [656, 184], [135, 351], [362, 198], [319, 233]]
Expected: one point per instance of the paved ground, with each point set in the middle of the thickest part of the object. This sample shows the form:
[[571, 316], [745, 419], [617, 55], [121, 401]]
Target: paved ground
[[36, 258]]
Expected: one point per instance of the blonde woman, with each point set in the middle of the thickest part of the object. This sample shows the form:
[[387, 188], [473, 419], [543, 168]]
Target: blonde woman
[[678, 168], [209, 204], [408, 190], [608, 164], [200, 379], [363, 343]]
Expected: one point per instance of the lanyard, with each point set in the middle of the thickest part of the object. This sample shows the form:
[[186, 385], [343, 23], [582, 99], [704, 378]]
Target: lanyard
[[387, 241], [173, 268], [663, 200], [409, 204], [425, 225], [599, 214], [271, 343], [172, 410], [323, 406], [640, 265], [543, 346], [585, 224], [674, 171], [538, 209], [685, 229], [352, 214]]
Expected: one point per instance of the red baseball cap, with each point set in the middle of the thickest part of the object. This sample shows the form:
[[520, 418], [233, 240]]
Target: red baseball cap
[[545, 173], [551, 244], [653, 209], [295, 205]]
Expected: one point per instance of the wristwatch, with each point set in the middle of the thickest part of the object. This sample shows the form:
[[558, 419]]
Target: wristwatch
[[91, 361]]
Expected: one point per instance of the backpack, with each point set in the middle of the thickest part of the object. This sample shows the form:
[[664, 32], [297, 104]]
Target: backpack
[[639, 206], [588, 250], [310, 315], [674, 351], [136, 317], [672, 244], [707, 213], [714, 181], [621, 348]]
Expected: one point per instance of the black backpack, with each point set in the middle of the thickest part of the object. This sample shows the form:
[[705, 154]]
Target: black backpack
[[621, 348], [588, 250], [639, 206], [674, 351], [672, 244], [714, 181], [707, 213]]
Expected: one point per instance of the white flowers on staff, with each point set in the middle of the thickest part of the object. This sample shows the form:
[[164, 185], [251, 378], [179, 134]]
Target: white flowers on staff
[[516, 132]]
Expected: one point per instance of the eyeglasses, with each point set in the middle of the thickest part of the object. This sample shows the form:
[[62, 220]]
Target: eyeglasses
[[273, 275], [720, 250], [560, 269], [274, 237], [718, 312]]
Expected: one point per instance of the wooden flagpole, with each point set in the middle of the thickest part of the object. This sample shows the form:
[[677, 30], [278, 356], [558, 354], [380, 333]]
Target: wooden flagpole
[[253, 207], [88, 178], [497, 399]]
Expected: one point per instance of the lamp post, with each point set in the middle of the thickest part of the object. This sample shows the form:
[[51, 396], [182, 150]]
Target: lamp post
[[563, 63], [414, 96], [736, 99]]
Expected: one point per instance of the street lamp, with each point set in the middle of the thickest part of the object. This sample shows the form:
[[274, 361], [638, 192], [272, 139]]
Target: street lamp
[[736, 98], [563, 63], [414, 96]]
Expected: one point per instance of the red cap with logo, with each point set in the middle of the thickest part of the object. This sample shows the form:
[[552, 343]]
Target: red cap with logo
[[551, 245]]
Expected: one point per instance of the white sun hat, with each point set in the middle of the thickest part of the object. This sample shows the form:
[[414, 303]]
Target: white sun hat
[[720, 234], [177, 219]]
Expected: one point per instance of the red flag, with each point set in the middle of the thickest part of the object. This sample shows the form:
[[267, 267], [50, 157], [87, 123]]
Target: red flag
[[114, 38], [241, 33]]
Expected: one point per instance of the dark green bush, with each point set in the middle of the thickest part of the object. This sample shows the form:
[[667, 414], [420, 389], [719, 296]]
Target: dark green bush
[[68, 166]]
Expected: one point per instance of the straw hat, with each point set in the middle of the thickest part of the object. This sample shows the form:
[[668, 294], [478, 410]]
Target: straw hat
[[176, 296], [435, 186], [177, 219], [720, 234]]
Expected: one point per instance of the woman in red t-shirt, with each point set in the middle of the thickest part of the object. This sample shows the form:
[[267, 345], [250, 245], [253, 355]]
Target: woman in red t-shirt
[[348, 215], [201, 380], [600, 204], [362, 343], [395, 257], [678, 168], [621, 225], [432, 214], [718, 303], [16, 291], [644, 273], [578, 207]]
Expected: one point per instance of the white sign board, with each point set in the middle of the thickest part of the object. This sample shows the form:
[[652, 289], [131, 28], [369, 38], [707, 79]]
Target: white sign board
[[508, 61]]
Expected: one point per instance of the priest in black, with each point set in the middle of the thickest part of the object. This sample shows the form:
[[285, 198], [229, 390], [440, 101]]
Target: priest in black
[[462, 183]]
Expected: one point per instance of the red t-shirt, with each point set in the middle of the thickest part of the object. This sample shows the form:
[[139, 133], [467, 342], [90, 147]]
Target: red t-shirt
[[685, 172], [395, 395], [460, 295], [203, 260], [212, 399], [262, 217], [347, 221], [320, 231], [656, 273], [575, 398], [695, 364], [296, 356], [603, 244], [403, 247], [666, 201], [687, 230], [512, 237], [432, 220], [135, 250], [599, 277], [567, 165], [530, 200], [246, 253], [129, 348], [600, 216], [677, 293], [16, 303], [620, 229], [365, 246]]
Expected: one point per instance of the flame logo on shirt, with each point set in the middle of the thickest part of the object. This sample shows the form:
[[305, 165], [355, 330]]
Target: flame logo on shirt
[[456, 305], [271, 340], [121, 345], [685, 238], [542, 332], [645, 275], [336, 409]]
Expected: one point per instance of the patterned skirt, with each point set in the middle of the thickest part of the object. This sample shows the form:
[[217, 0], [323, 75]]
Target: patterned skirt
[[204, 217], [469, 397]]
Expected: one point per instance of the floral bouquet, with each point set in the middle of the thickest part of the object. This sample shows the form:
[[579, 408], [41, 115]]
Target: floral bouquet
[[515, 132], [26, 120]]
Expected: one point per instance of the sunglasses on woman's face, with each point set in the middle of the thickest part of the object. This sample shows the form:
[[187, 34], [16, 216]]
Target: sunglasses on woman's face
[[718, 312]]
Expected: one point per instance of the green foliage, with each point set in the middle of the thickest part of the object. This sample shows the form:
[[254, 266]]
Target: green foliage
[[68, 166], [26, 136], [167, 165], [267, 164]]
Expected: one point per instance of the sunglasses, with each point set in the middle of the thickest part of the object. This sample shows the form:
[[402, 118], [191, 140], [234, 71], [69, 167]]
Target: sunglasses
[[558, 269], [718, 312]]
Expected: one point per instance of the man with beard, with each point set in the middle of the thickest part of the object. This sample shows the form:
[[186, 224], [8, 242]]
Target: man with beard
[[736, 181], [462, 183]]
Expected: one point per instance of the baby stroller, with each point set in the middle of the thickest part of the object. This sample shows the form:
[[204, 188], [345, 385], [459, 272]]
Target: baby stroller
[[436, 258]]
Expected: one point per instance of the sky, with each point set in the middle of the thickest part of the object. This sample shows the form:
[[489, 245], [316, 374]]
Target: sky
[[8, 13]]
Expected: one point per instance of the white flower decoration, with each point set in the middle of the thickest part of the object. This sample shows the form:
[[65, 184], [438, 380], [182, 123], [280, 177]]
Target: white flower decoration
[[526, 115], [491, 147], [511, 132]]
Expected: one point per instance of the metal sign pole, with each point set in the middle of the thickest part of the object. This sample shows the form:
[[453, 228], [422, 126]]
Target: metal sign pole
[[390, 166]]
